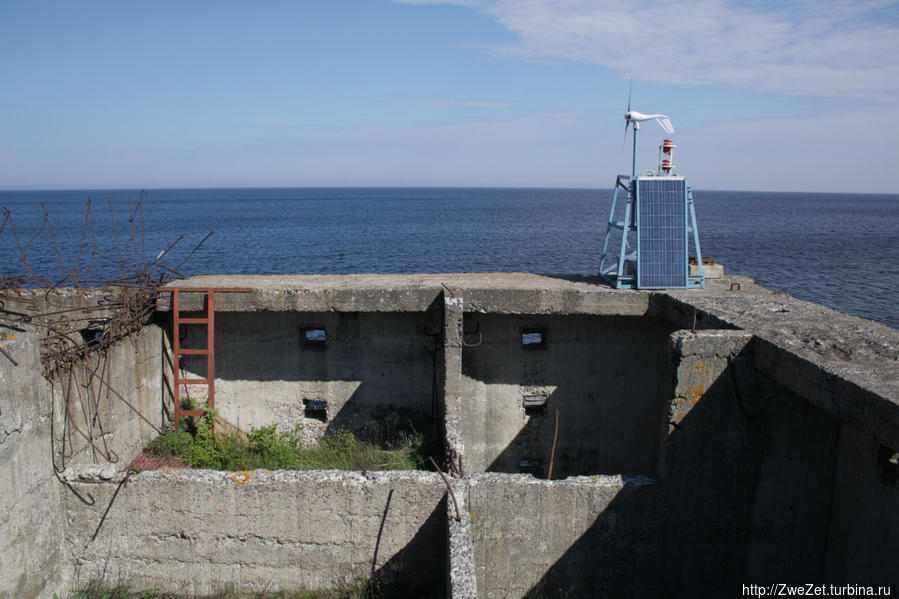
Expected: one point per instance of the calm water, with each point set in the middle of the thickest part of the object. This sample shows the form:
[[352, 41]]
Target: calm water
[[840, 250]]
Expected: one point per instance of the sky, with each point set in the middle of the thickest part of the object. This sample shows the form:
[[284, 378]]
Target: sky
[[764, 95]]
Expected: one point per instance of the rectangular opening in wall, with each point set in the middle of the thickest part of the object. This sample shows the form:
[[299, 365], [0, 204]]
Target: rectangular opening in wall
[[91, 335], [312, 338], [533, 339], [316, 408], [535, 403]]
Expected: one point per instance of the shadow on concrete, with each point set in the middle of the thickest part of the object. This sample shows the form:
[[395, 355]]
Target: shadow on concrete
[[574, 278], [608, 377], [419, 568], [744, 498]]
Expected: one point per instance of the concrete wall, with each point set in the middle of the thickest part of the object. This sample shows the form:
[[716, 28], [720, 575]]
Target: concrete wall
[[758, 458], [371, 366], [609, 378], [31, 557], [863, 537], [523, 528], [190, 532], [767, 461], [109, 407], [744, 496]]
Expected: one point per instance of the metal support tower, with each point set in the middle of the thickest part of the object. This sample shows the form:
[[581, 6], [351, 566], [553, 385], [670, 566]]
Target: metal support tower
[[659, 257]]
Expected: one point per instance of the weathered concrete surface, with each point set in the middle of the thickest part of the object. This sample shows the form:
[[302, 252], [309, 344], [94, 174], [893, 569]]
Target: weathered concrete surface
[[845, 365], [774, 464], [700, 358], [192, 531], [453, 407], [31, 560], [120, 408], [370, 367], [488, 292], [609, 378], [462, 578], [461, 573], [744, 495], [523, 526], [773, 451], [41, 432]]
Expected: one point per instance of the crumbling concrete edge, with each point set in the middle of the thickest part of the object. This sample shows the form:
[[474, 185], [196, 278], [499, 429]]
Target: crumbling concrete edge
[[461, 573]]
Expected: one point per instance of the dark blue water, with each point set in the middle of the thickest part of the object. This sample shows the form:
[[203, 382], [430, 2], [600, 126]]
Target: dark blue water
[[840, 250]]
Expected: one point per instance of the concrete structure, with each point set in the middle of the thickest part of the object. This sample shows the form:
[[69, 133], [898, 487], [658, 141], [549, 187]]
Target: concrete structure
[[706, 439]]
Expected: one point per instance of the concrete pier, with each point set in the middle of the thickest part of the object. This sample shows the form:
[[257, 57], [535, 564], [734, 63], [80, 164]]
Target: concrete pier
[[698, 440]]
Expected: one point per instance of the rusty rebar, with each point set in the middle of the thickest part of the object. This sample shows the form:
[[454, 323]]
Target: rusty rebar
[[75, 341], [552, 455], [8, 357], [449, 488]]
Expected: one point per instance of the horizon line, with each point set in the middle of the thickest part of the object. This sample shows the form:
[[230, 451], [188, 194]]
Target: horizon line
[[522, 187]]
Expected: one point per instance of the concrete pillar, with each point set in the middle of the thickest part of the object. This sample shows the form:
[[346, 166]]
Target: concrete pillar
[[461, 577], [701, 358], [452, 376]]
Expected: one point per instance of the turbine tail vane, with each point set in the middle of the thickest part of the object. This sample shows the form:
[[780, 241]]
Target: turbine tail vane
[[666, 124]]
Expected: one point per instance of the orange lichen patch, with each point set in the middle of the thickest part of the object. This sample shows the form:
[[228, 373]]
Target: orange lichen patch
[[701, 367], [681, 405], [241, 477], [679, 409], [159, 462], [694, 394]]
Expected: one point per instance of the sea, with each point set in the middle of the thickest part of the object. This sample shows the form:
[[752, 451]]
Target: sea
[[840, 250]]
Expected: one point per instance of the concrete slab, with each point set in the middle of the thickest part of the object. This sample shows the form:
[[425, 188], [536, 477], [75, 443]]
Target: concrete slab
[[483, 292]]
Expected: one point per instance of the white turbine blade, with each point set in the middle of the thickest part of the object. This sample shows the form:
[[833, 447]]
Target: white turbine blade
[[665, 122]]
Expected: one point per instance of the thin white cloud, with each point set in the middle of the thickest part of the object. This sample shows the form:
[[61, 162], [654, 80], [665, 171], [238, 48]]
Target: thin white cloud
[[838, 48], [445, 103]]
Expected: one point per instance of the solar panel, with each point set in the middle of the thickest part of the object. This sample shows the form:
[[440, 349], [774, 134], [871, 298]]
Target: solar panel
[[661, 232]]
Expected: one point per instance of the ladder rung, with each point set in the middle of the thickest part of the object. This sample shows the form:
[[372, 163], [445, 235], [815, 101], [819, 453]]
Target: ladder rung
[[191, 381], [192, 412], [193, 352], [193, 321]]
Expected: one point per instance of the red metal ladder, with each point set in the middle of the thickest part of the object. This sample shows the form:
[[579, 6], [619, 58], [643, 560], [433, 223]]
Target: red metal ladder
[[178, 351]]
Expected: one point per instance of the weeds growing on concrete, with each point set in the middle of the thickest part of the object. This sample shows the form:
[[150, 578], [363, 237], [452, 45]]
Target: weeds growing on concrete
[[271, 449]]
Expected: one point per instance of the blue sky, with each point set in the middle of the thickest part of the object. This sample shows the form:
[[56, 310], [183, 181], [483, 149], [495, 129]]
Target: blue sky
[[764, 95]]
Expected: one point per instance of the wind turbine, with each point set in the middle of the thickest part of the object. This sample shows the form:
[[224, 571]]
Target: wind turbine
[[632, 117]]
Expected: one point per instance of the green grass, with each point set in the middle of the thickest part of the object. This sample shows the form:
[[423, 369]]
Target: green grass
[[361, 589], [270, 449]]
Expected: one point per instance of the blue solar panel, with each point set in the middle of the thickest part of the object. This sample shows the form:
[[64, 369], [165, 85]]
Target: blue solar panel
[[661, 232]]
